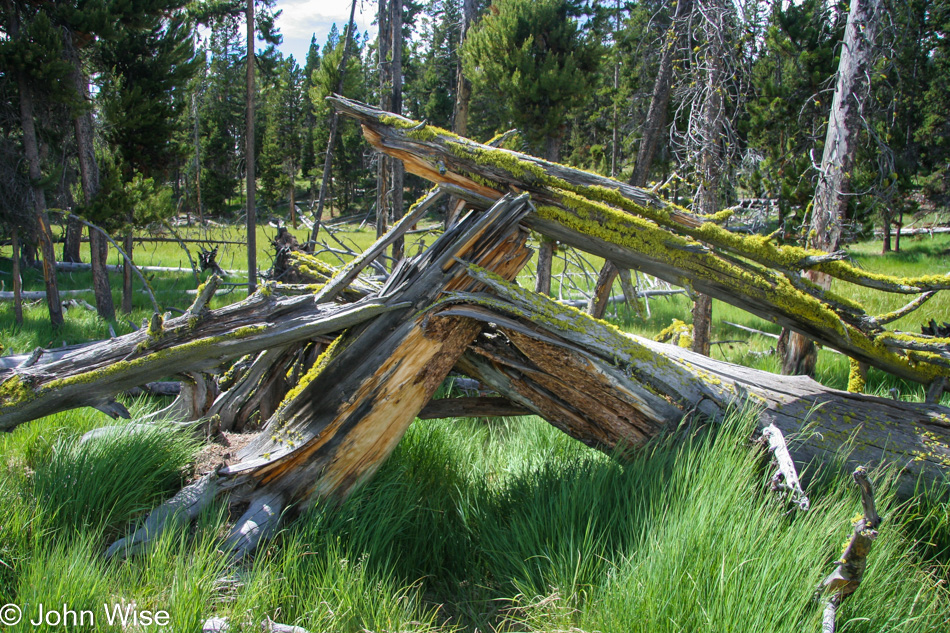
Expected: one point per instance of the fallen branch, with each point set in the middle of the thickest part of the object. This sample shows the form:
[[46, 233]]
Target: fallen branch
[[849, 569], [34, 295], [609, 389], [785, 480], [636, 229]]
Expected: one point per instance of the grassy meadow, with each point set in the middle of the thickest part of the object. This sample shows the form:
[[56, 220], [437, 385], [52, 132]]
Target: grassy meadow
[[471, 525]]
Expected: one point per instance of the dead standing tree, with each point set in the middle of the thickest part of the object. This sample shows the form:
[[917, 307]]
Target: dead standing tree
[[454, 305], [830, 203]]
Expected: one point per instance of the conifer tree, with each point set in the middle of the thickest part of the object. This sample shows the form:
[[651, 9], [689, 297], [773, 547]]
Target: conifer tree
[[532, 55]]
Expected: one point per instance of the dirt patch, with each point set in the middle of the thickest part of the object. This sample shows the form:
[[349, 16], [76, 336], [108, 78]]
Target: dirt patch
[[219, 449]]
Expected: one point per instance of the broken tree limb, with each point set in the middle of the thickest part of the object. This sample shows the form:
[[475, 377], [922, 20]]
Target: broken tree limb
[[607, 388], [849, 569], [349, 273], [634, 228], [33, 295], [785, 480], [354, 405]]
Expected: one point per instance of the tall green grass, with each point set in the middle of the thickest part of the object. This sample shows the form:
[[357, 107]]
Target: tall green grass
[[476, 525], [472, 525]]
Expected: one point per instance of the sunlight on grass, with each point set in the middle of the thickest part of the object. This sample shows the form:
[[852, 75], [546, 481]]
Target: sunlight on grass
[[471, 525]]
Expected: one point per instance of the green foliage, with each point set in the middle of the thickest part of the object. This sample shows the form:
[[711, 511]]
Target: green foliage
[[786, 118], [283, 104], [934, 131], [147, 67], [123, 204], [349, 169], [108, 480], [531, 55]]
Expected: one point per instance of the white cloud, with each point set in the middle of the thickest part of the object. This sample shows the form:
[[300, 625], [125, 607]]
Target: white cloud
[[302, 18]]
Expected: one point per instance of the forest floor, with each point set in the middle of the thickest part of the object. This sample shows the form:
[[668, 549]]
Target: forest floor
[[471, 525]]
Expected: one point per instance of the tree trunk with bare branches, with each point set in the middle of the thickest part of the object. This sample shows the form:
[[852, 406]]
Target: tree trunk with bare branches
[[830, 204]]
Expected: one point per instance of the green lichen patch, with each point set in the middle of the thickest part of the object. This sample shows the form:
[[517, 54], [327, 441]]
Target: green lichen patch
[[857, 377], [678, 333], [14, 392], [311, 265], [331, 352], [120, 367]]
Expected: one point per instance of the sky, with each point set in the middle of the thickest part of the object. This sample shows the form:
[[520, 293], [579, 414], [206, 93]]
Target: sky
[[301, 19]]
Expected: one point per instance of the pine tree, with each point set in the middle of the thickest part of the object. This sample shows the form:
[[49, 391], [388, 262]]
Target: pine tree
[[221, 115], [308, 157], [532, 55], [786, 116], [282, 106]]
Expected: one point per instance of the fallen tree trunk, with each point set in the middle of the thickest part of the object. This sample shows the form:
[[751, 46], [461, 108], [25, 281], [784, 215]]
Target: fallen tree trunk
[[33, 295], [610, 389], [197, 341], [348, 413], [635, 228]]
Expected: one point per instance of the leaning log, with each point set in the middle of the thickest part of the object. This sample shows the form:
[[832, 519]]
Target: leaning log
[[609, 389], [635, 228]]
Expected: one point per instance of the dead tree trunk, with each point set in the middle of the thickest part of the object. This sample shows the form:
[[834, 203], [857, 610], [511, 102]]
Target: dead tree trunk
[[651, 131], [398, 171], [250, 157], [829, 206], [346, 416], [384, 164], [127, 276], [607, 388], [334, 123], [72, 242], [636, 229], [17, 280], [31, 149], [89, 175]]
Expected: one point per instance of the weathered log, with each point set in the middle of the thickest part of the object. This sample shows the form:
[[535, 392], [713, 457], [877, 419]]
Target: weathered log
[[607, 388], [94, 374], [33, 295], [635, 228], [352, 408]]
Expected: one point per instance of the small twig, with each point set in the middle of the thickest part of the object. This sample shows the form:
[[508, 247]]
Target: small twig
[[751, 330], [181, 243]]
